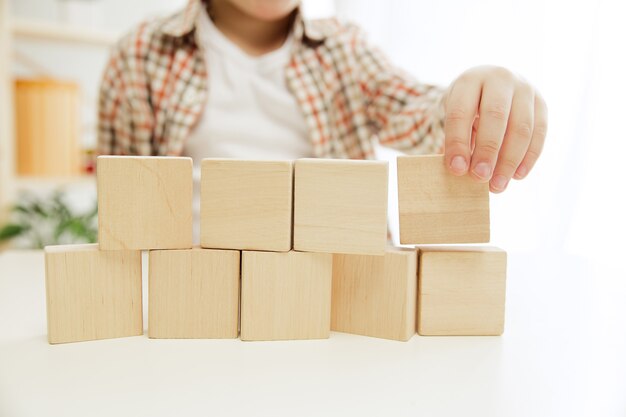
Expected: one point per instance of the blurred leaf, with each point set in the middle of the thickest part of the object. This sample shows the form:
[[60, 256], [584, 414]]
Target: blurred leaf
[[60, 228], [12, 230], [77, 228], [50, 220], [38, 208], [92, 236], [20, 208], [59, 208]]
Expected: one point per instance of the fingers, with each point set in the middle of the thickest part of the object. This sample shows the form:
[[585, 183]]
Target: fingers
[[495, 126], [494, 111], [461, 107], [516, 139], [537, 140]]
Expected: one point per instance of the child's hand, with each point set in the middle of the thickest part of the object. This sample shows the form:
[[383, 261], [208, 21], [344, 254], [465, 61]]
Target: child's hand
[[495, 125]]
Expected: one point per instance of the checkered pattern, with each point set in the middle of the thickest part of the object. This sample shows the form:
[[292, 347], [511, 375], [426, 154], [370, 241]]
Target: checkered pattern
[[155, 85]]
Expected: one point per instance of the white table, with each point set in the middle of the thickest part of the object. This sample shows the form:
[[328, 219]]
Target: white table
[[563, 354]]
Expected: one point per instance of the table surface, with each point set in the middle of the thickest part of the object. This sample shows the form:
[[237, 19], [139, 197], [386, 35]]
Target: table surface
[[563, 354]]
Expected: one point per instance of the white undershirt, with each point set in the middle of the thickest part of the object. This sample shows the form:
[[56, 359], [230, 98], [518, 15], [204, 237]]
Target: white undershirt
[[250, 112]]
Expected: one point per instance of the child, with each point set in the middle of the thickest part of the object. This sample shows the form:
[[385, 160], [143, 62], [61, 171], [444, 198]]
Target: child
[[252, 79]]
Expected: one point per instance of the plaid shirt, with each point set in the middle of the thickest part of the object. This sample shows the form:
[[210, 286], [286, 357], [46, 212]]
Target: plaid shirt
[[154, 90]]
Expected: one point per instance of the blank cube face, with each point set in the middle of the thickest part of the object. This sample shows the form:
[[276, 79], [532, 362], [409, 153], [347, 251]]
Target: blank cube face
[[193, 293], [285, 296], [461, 291], [375, 295], [246, 204], [92, 294], [340, 206], [438, 207], [144, 202]]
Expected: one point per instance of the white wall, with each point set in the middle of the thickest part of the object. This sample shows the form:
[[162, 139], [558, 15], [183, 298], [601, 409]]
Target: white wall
[[112, 15], [569, 51]]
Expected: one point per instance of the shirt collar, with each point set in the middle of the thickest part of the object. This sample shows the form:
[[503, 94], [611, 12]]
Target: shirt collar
[[185, 21]]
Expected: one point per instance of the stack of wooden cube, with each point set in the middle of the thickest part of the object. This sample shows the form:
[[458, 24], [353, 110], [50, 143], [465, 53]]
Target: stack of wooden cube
[[288, 250]]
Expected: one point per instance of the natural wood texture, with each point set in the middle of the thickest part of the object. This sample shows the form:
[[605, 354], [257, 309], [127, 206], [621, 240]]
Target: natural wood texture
[[7, 134], [246, 204], [35, 29], [285, 295], [193, 293], [46, 115], [375, 295], [461, 291], [340, 206], [92, 294], [144, 202], [438, 207]]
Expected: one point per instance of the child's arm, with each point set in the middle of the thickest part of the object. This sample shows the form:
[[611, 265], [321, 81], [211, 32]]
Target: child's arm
[[502, 116], [410, 116], [125, 120], [111, 104], [405, 114]]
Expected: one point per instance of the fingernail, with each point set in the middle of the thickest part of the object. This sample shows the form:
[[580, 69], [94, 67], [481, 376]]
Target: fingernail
[[521, 172], [499, 182], [482, 170], [458, 164]]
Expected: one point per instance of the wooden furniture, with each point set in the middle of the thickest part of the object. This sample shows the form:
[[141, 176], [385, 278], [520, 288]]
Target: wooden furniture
[[7, 135], [12, 28], [46, 114]]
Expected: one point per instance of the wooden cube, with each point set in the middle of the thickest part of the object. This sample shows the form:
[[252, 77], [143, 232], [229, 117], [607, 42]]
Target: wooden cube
[[285, 295], [461, 291], [193, 293], [92, 294], [144, 202], [375, 295], [439, 207], [246, 204], [340, 206]]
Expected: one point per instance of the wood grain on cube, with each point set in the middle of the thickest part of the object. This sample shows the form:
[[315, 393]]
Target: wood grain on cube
[[92, 294], [375, 295], [193, 293], [144, 202], [438, 207], [285, 296], [246, 204], [461, 291], [340, 206]]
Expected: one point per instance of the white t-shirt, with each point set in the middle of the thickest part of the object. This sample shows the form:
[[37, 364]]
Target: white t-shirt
[[250, 112]]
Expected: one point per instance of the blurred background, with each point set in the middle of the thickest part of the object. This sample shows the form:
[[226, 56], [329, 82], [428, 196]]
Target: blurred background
[[568, 215], [52, 53]]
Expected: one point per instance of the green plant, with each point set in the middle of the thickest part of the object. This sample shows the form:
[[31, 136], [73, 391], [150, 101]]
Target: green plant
[[36, 222]]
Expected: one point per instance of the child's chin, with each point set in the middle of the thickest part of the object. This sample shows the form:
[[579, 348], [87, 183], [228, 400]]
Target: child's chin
[[268, 10]]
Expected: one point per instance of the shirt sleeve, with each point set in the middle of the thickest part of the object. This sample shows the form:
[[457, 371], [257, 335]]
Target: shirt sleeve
[[405, 114], [109, 104], [125, 118]]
